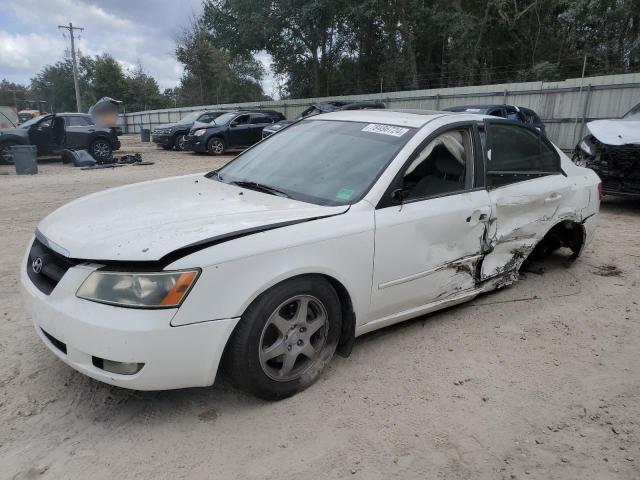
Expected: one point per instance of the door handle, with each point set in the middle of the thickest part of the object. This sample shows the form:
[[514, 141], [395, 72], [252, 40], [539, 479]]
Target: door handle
[[554, 197], [91, 130]]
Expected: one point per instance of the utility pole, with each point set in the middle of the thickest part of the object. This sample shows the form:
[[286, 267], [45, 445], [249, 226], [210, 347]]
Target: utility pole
[[71, 28]]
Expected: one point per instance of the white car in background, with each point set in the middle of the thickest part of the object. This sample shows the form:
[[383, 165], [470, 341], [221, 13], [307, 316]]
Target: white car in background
[[339, 225]]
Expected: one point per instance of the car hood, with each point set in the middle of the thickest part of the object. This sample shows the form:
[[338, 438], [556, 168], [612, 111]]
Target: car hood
[[147, 221], [616, 132], [167, 125], [20, 132]]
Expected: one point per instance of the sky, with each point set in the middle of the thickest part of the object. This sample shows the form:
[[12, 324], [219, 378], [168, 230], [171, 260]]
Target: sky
[[132, 31]]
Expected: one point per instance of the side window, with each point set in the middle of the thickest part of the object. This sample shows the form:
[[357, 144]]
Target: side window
[[260, 119], [512, 114], [441, 166], [518, 153], [241, 120], [497, 112], [75, 121]]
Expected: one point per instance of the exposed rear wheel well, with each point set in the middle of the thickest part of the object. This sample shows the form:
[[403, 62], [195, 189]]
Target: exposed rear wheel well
[[568, 234]]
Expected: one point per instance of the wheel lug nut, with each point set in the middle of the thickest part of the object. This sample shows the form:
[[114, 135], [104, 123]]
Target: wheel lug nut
[[289, 347], [302, 329], [300, 342]]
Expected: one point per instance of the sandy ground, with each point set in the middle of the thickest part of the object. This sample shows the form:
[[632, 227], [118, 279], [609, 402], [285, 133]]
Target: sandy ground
[[540, 380]]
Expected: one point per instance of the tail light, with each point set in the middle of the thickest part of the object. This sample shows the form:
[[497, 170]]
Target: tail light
[[600, 194]]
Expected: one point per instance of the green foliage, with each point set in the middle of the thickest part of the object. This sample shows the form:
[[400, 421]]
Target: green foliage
[[212, 74], [330, 47]]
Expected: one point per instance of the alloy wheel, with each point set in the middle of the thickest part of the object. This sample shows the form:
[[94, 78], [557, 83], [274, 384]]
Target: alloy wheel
[[180, 142], [293, 337], [216, 146], [101, 150]]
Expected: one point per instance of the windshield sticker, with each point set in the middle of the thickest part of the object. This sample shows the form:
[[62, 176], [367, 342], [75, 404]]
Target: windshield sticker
[[344, 194], [385, 129]]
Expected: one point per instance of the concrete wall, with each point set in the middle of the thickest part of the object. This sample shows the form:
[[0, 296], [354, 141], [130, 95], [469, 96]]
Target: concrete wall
[[564, 106]]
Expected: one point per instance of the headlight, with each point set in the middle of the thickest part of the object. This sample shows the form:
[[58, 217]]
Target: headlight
[[585, 147], [141, 290], [199, 132]]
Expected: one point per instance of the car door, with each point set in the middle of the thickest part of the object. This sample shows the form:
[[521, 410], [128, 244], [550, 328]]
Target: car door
[[258, 122], [41, 135], [527, 189], [240, 131], [77, 128], [428, 246]]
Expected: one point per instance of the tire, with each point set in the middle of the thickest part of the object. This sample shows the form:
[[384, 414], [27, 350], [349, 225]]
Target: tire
[[272, 353], [215, 146], [101, 150], [5, 152], [178, 142]]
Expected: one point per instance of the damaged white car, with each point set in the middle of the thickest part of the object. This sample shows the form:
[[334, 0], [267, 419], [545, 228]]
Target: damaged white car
[[612, 150], [338, 225]]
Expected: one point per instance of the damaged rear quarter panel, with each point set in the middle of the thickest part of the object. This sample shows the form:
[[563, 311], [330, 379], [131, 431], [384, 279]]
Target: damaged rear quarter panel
[[523, 213]]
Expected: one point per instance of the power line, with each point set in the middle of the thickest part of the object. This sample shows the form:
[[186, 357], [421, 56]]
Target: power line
[[76, 85]]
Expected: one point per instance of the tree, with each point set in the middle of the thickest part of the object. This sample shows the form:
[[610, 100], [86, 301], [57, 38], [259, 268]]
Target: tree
[[213, 75]]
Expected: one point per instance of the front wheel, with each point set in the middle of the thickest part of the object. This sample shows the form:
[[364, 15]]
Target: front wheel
[[100, 149], [179, 142], [285, 338], [215, 146]]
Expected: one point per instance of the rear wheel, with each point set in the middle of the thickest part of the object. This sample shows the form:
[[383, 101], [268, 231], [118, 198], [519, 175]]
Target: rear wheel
[[215, 146], [100, 149], [5, 152], [285, 338]]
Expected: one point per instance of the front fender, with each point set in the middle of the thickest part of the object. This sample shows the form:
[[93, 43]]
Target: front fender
[[340, 247]]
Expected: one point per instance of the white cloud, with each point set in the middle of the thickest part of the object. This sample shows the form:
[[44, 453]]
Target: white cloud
[[25, 53], [132, 31]]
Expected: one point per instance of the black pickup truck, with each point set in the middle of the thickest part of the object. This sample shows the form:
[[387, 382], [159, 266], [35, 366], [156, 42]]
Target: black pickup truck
[[55, 132]]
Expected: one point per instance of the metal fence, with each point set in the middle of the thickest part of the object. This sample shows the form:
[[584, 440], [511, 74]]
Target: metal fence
[[564, 106]]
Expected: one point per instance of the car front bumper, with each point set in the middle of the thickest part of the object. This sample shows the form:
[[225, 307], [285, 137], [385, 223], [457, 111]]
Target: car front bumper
[[163, 140], [195, 144], [79, 331]]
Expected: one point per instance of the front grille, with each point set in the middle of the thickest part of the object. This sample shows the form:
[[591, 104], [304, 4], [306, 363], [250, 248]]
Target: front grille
[[45, 267], [56, 343]]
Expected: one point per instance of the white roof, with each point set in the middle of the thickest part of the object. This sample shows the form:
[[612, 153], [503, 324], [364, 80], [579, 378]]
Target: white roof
[[415, 119]]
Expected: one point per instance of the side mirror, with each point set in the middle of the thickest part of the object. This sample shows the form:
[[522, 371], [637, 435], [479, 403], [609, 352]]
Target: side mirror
[[400, 195]]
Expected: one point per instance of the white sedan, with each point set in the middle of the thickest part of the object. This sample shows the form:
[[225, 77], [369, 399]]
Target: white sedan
[[338, 225]]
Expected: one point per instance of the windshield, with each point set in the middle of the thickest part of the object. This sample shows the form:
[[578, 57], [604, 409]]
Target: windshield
[[320, 161], [633, 114], [224, 118], [192, 117], [33, 121]]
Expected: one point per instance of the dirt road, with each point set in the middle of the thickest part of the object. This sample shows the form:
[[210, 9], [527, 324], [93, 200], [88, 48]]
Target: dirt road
[[540, 380]]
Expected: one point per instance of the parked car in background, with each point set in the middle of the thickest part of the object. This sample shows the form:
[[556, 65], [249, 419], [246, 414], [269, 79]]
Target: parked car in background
[[52, 133], [612, 150], [172, 135], [268, 265], [231, 131], [510, 112], [324, 107]]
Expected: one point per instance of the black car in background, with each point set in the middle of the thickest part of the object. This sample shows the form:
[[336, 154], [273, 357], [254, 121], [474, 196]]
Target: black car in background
[[170, 135], [232, 131], [53, 133], [324, 107], [510, 112]]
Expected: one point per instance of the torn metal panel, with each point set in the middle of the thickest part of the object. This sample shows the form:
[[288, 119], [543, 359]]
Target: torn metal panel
[[522, 213]]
